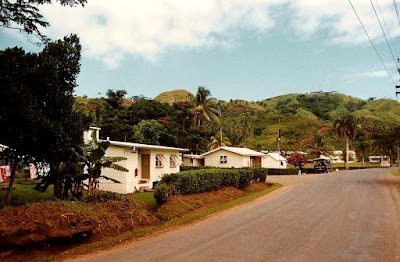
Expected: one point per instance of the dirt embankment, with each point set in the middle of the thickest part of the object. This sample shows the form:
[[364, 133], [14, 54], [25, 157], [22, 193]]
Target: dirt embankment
[[27, 226]]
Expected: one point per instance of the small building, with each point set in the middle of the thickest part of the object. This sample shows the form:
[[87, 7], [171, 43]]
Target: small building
[[274, 160], [192, 160], [146, 164], [235, 157]]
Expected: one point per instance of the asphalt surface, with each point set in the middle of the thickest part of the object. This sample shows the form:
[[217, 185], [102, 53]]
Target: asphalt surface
[[345, 216]]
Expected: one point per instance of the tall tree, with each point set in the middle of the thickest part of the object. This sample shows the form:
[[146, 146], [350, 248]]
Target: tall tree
[[346, 127], [319, 146], [218, 141], [362, 146], [24, 15], [38, 104], [205, 106]]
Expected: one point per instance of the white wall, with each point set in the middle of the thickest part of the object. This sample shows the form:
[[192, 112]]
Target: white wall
[[234, 160], [270, 162], [196, 162], [130, 183], [126, 178]]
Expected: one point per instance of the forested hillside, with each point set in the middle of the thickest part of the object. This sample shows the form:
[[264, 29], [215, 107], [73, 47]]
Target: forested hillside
[[179, 118]]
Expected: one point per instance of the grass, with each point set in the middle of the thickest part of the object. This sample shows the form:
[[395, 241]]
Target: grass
[[395, 173], [25, 194], [146, 198]]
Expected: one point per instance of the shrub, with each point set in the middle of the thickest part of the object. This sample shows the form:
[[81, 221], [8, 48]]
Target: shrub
[[289, 171], [259, 173], [189, 168], [100, 197], [206, 179], [161, 193], [245, 178]]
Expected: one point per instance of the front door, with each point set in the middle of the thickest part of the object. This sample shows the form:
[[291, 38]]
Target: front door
[[146, 166]]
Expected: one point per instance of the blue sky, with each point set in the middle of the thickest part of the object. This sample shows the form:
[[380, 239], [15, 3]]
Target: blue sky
[[251, 49]]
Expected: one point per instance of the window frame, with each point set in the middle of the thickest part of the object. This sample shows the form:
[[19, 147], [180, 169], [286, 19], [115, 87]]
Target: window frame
[[158, 163], [172, 163], [223, 159]]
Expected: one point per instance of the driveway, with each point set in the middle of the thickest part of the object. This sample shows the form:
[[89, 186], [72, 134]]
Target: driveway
[[344, 216]]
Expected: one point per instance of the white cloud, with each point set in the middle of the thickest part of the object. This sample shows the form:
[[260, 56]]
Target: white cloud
[[111, 30], [368, 74]]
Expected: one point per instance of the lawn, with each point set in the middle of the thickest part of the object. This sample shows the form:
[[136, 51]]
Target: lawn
[[145, 199], [24, 194]]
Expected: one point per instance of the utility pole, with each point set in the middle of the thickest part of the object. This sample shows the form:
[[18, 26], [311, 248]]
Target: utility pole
[[279, 141]]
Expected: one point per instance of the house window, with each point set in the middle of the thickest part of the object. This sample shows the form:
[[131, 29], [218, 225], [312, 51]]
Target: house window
[[223, 159], [191, 161], [158, 161], [281, 163], [172, 162]]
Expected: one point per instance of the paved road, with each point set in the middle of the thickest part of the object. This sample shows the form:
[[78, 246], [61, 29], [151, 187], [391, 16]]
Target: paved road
[[345, 216]]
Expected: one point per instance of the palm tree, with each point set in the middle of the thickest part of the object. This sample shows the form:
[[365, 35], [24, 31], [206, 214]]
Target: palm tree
[[346, 127], [319, 145], [218, 141], [204, 106]]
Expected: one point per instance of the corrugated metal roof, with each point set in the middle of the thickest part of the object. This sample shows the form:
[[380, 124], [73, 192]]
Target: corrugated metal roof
[[142, 146], [276, 156], [193, 156], [237, 150]]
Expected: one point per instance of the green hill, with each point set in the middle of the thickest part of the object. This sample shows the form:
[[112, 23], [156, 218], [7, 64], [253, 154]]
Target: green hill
[[173, 96], [251, 124]]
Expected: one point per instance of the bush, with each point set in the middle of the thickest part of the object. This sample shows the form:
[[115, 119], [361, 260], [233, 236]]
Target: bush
[[259, 173], [189, 168], [100, 197], [206, 179], [289, 171], [245, 178], [161, 193]]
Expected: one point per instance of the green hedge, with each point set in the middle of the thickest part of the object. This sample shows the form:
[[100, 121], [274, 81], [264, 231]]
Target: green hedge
[[206, 179], [289, 171]]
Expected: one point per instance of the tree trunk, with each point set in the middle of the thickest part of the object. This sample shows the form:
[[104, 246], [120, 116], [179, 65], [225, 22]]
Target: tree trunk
[[363, 161], [57, 181], [13, 167], [398, 159], [90, 185], [347, 152]]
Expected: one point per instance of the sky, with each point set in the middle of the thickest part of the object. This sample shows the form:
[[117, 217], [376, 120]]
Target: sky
[[239, 49]]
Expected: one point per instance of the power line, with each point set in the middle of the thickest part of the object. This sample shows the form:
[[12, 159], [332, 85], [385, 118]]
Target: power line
[[370, 40], [384, 34], [397, 11], [388, 32]]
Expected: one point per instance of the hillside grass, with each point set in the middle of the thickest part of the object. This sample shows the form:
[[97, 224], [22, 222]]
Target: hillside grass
[[173, 96]]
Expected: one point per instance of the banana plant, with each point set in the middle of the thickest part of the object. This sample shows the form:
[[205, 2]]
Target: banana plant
[[94, 160]]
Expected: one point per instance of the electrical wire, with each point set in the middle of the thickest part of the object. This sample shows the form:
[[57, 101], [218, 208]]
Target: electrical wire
[[370, 40], [388, 32], [397, 11]]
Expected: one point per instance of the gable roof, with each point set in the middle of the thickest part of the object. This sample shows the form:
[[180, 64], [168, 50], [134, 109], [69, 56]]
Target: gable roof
[[236, 150], [141, 146], [276, 156], [193, 156]]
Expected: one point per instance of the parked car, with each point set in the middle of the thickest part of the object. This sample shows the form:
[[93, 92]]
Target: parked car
[[385, 164], [322, 165]]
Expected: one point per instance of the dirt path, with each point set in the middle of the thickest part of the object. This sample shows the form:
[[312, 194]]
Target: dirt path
[[345, 216]]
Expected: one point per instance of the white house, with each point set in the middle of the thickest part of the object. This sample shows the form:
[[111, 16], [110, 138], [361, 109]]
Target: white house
[[274, 160], [192, 160], [236, 157], [146, 164]]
